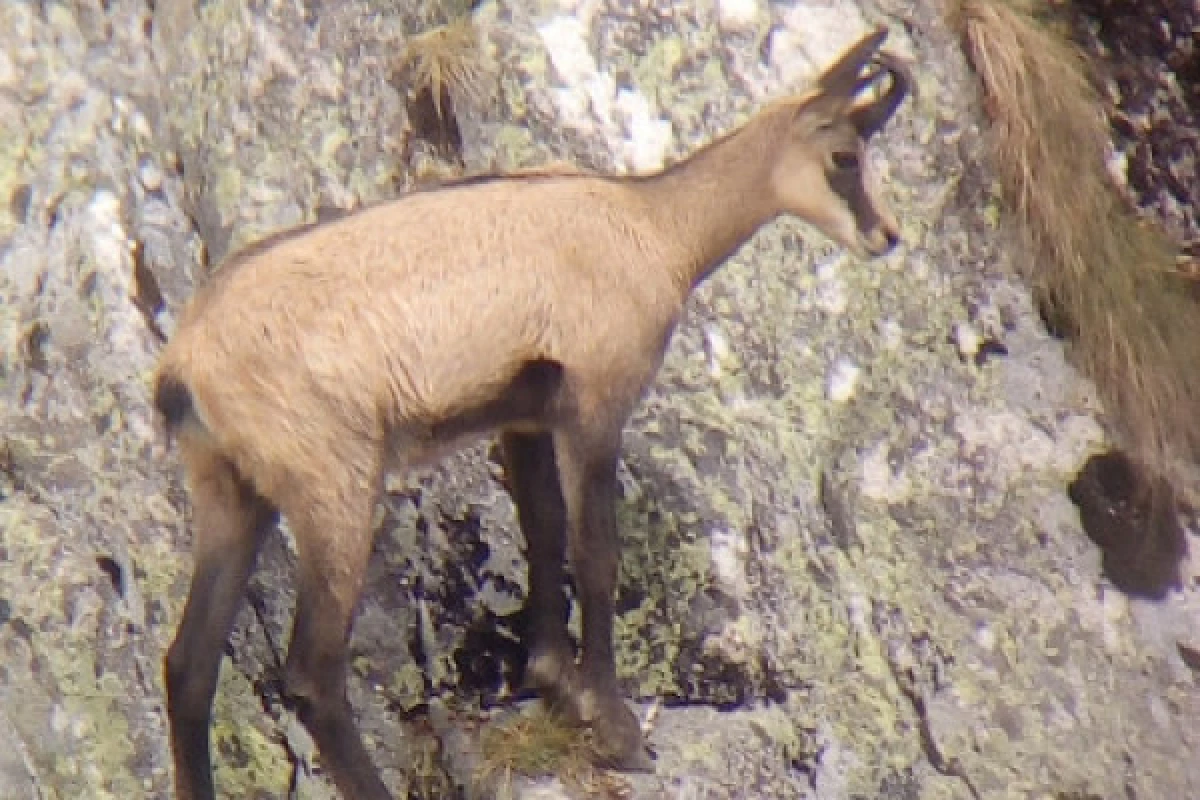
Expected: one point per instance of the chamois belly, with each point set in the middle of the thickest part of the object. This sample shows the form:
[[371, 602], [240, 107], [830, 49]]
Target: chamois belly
[[526, 401], [462, 356]]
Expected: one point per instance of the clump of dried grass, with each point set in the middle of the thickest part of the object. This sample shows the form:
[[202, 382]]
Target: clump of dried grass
[[440, 71], [446, 60], [1134, 325], [539, 743]]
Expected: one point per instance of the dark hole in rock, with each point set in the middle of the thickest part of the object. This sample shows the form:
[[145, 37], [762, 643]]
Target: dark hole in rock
[[35, 346], [1058, 323], [87, 287], [988, 349], [629, 597], [435, 122], [22, 629], [147, 295], [491, 660], [705, 676], [271, 689], [8, 474], [113, 570], [900, 786], [5, 611], [819, 577], [156, 613], [841, 523], [18, 202], [330, 213], [471, 551], [1190, 656], [495, 457], [52, 212], [416, 648], [1133, 518], [233, 751]]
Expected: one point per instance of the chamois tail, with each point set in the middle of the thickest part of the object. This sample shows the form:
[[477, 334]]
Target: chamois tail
[[173, 400]]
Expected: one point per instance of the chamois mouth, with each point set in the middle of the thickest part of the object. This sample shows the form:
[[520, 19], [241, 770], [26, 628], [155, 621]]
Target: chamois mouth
[[876, 244]]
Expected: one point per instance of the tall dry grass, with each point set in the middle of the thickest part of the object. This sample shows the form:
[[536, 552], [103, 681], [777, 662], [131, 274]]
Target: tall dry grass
[[1135, 327]]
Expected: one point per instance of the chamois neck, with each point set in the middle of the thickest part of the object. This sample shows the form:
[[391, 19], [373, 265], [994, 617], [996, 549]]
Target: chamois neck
[[713, 202]]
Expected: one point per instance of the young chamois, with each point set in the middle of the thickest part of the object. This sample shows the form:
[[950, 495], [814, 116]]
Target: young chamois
[[534, 306]]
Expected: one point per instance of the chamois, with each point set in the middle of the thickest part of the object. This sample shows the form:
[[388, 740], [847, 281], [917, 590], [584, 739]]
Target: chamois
[[534, 306]]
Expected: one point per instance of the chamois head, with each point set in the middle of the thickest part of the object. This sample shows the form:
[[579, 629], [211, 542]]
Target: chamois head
[[818, 175]]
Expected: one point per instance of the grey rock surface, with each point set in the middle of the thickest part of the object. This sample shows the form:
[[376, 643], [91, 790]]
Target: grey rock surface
[[850, 566]]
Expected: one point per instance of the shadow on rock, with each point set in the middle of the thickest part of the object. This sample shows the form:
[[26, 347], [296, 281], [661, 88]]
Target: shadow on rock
[[1135, 523]]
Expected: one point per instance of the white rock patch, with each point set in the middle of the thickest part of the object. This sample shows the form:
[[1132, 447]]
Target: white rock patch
[[878, 481], [809, 38], [588, 99], [831, 294], [967, 340], [568, 51], [842, 381], [1014, 444], [728, 550], [8, 71], [649, 136], [738, 16]]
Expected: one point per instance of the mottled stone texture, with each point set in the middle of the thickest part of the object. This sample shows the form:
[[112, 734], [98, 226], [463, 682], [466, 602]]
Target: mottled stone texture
[[1148, 54], [851, 568]]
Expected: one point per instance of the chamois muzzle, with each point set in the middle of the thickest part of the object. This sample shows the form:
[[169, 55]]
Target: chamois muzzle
[[870, 118], [881, 241]]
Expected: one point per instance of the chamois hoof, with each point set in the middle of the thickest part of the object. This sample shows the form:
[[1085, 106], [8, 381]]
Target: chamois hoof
[[617, 741], [553, 675]]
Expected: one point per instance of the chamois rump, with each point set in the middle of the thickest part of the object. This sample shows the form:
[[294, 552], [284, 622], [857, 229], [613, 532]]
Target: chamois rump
[[534, 306]]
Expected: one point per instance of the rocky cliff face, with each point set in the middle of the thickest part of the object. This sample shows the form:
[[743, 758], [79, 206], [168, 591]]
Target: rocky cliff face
[[1149, 55], [851, 567]]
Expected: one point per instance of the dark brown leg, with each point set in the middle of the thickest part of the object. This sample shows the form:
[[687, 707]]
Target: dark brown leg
[[588, 469], [229, 524], [533, 481], [333, 537]]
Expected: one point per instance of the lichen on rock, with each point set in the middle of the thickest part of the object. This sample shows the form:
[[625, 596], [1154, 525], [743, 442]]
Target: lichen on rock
[[850, 566]]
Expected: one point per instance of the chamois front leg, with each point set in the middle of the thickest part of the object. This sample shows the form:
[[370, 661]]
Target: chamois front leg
[[588, 469], [533, 481], [332, 527]]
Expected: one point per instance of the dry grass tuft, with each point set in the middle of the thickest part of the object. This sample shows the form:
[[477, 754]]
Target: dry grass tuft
[[440, 70], [1134, 324], [538, 743], [448, 59]]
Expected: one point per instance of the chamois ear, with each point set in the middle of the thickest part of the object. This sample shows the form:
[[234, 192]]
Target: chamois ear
[[842, 78], [869, 118]]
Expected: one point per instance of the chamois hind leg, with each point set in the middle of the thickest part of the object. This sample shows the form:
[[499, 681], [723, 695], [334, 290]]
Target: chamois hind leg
[[332, 527], [587, 462], [229, 523], [533, 482]]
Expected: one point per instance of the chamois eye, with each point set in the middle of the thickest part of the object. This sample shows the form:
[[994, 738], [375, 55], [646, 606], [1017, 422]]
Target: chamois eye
[[845, 160]]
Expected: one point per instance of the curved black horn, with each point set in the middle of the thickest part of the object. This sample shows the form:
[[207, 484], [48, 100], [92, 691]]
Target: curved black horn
[[841, 77], [869, 119]]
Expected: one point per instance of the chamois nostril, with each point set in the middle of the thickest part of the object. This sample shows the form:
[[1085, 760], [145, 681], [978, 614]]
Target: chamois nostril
[[893, 239]]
